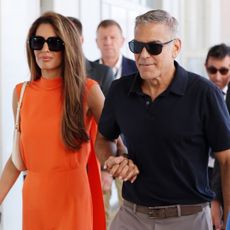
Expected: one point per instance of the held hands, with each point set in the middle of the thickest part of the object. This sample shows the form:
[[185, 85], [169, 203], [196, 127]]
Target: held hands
[[122, 168]]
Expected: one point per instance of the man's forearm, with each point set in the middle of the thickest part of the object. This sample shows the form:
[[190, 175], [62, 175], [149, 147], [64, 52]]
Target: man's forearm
[[105, 148], [225, 181], [121, 148]]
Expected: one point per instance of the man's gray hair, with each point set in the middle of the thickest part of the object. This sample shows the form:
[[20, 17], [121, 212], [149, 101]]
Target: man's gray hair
[[158, 16]]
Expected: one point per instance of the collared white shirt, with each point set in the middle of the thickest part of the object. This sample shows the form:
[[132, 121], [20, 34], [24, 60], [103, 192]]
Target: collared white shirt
[[117, 68], [224, 90]]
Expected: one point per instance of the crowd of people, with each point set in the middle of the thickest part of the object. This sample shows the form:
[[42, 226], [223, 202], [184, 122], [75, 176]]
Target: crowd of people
[[161, 132]]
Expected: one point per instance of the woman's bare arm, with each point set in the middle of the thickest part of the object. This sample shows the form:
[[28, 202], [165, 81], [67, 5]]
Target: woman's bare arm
[[7, 179], [10, 173]]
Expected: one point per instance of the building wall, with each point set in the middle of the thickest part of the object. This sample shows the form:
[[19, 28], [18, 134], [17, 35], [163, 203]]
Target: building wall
[[16, 16], [203, 23], [225, 10], [201, 31]]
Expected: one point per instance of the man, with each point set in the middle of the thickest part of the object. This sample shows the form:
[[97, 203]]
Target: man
[[169, 117], [98, 72], [217, 65], [110, 41]]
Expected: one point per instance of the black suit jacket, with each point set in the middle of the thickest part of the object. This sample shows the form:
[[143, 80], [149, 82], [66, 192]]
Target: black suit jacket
[[216, 178], [128, 66], [100, 73]]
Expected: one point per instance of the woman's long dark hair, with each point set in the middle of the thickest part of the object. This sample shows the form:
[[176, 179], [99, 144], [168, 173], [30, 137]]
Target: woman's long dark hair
[[73, 73]]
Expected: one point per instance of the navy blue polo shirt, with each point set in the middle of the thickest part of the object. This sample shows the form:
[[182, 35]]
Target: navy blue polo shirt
[[168, 138]]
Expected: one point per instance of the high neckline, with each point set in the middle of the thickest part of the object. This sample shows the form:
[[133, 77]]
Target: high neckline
[[50, 83]]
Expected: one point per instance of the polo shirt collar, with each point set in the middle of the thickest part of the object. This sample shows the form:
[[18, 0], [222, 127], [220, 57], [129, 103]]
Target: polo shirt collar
[[177, 86]]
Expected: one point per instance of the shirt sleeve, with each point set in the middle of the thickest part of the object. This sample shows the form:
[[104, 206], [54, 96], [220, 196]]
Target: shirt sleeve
[[216, 121], [108, 125]]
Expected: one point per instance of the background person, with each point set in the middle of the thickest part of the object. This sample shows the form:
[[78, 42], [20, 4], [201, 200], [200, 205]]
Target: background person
[[217, 65], [98, 72], [104, 76], [56, 114], [170, 117], [109, 39]]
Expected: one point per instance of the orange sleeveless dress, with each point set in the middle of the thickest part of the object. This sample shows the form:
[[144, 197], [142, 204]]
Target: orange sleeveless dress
[[59, 193]]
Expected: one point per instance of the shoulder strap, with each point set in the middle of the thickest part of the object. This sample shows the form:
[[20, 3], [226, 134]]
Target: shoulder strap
[[19, 104]]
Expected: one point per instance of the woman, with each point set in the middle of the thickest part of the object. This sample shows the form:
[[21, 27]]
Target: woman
[[58, 107]]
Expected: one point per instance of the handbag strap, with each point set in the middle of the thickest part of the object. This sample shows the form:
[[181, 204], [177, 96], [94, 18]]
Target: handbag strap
[[19, 105]]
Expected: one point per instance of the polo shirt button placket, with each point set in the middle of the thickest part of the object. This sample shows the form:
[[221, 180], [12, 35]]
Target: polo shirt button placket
[[147, 103]]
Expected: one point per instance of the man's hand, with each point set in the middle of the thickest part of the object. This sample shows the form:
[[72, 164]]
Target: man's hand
[[122, 168], [217, 214]]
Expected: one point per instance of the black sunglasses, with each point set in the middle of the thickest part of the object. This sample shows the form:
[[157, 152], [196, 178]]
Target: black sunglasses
[[54, 43], [214, 70], [153, 48]]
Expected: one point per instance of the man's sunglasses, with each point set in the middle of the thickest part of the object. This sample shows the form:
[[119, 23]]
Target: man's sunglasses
[[54, 43], [153, 48], [214, 70]]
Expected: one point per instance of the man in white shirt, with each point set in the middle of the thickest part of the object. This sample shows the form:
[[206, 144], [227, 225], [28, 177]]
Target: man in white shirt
[[110, 41], [217, 65]]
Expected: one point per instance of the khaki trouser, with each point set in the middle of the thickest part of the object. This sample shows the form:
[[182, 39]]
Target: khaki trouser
[[107, 197], [127, 219]]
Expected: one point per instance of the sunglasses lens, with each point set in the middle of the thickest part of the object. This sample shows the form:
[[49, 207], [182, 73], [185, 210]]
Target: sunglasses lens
[[36, 43], [55, 44], [154, 48], [135, 47], [214, 70], [223, 70]]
